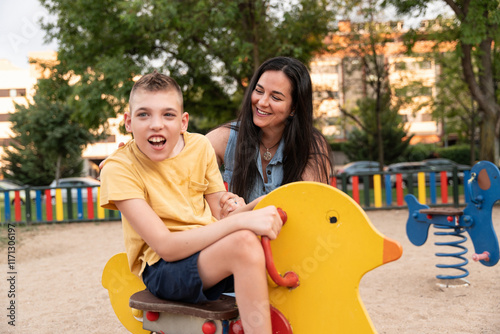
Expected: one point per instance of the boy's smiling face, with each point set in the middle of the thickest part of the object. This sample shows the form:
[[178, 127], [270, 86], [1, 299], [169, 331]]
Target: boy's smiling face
[[157, 121]]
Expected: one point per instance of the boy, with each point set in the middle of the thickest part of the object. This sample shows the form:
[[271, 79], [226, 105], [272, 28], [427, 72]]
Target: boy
[[168, 187]]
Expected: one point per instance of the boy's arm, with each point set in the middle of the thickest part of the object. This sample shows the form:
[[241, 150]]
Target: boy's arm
[[173, 246]]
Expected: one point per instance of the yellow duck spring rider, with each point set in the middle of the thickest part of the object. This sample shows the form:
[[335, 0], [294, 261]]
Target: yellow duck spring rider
[[315, 266]]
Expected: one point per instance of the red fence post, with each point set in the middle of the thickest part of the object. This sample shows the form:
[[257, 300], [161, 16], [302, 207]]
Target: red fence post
[[17, 205], [355, 188], [48, 204], [399, 189], [444, 187], [90, 204]]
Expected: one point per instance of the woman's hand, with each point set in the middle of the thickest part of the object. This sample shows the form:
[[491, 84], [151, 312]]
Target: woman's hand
[[230, 202]]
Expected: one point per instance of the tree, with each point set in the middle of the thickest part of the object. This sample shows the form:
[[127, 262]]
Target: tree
[[453, 104], [47, 141], [365, 48], [477, 33], [211, 47], [362, 146]]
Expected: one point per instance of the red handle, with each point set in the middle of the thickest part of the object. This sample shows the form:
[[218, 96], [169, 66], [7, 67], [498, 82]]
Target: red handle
[[483, 256], [290, 279]]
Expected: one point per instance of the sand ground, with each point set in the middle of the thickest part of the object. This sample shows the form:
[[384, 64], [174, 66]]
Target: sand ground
[[58, 283]]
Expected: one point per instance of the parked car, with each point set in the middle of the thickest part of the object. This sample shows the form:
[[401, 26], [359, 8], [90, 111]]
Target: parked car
[[442, 164], [357, 168], [428, 165], [75, 183], [10, 185], [404, 168]]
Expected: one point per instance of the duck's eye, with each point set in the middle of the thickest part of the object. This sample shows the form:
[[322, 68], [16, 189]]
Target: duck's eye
[[332, 216]]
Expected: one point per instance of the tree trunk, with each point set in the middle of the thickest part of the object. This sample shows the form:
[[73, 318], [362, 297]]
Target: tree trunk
[[489, 142], [483, 92], [380, 143], [58, 169], [472, 136]]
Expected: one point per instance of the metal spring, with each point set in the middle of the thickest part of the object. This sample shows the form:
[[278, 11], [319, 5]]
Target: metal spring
[[456, 232]]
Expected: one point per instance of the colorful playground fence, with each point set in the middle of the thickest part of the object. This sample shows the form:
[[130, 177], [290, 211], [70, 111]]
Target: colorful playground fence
[[371, 191], [53, 205]]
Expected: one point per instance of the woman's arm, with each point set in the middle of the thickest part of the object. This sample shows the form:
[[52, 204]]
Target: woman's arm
[[224, 203], [319, 167], [219, 138]]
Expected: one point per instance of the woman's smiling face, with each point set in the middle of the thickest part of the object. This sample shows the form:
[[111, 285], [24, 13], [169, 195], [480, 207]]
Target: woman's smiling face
[[272, 100]]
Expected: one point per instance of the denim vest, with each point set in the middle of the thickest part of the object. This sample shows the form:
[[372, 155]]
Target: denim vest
[[274, 169]]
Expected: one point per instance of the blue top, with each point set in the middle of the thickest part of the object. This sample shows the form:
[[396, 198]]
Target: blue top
[[274, 169]]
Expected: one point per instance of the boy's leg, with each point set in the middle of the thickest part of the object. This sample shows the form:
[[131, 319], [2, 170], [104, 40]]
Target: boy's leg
[[240, 254]]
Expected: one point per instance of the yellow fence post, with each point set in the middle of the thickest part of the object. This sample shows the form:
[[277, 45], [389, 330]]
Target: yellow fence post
[[59, 205], [100, 210], [421, 188], [377, 189]]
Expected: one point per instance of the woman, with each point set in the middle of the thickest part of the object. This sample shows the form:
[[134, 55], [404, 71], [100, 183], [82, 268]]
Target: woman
[[273, 142]]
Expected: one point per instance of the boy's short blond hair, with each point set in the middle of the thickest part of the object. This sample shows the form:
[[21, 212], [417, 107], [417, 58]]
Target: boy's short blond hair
[[156, 82]]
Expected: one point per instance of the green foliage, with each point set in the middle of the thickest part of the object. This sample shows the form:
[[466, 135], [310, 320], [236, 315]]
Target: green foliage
[[458, 153], [210, 47], [475, 30], [418, 152], [48, 142], [361, 144], [336, 146]]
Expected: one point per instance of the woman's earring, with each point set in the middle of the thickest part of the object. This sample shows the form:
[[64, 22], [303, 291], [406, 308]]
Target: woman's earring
[[292, 113]]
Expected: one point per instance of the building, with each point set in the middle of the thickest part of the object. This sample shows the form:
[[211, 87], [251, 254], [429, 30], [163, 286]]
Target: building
[[339, 81], [17, 86]]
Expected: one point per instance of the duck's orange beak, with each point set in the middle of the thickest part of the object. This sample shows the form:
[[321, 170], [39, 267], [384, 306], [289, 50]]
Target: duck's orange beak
[[392, 250]]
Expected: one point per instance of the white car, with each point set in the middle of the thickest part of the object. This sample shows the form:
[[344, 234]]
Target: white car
[[6, 185], [74, 183]]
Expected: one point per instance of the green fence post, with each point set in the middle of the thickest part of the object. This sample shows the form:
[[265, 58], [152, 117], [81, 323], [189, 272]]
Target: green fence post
[[28, 205], [69, 204], [455, 187], [366, 190]]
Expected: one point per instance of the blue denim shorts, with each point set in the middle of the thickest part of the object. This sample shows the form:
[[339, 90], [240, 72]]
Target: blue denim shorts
[[180, 281]]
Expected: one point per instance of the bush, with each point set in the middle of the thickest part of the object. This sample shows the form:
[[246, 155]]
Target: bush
[[419, 152], [458, 153], [335, 146]]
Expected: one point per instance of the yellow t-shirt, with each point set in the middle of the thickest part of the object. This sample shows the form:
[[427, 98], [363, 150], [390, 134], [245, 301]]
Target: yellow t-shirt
[[174, 188]]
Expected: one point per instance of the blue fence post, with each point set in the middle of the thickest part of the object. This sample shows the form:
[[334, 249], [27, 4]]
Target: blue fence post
[[79, 203], [388, 190], [432, 185], [6, 201], [38, 203]]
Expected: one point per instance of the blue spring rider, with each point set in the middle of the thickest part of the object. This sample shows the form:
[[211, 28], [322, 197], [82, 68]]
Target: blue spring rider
[[482, 191]]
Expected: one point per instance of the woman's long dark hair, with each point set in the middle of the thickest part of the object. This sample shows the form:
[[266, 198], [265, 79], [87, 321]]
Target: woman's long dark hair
[[303, 142]]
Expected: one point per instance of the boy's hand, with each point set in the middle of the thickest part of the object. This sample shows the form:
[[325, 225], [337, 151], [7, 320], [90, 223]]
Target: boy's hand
[[266, 222], [230, 202]]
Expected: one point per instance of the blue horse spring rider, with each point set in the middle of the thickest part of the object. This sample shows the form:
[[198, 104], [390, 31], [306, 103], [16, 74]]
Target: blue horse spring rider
[[482, 190]]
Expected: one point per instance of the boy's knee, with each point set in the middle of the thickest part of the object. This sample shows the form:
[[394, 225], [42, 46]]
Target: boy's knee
[[248, 247]]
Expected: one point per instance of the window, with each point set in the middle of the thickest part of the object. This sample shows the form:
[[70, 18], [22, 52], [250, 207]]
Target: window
[[426, 117], [424, 65], [5, 141], [13, 92], [400, 66], [325, 68], [325, 94], [426, 91]]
